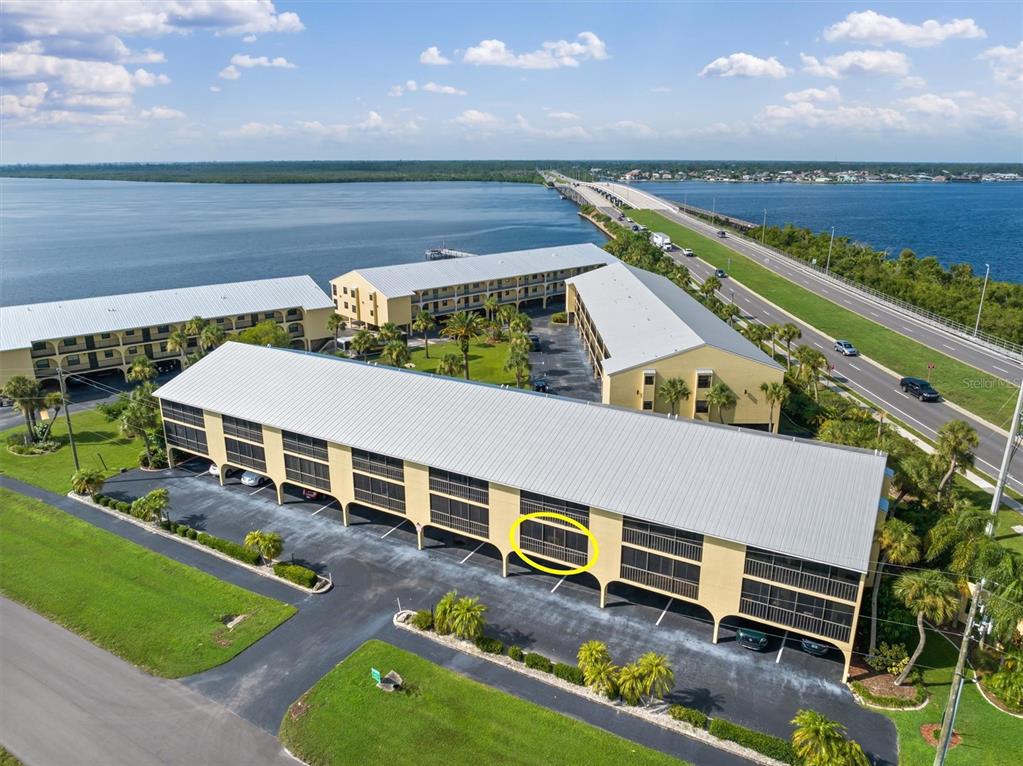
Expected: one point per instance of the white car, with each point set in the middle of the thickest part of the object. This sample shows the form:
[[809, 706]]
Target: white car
[[688, 252], [253, 479], [845, 348]]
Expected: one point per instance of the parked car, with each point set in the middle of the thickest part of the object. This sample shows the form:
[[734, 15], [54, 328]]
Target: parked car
[[688, 252], [919, 388], [722, 234], [310, 494], [5, 402], [635, 227], [748, 638], [534, 341], [816, 648], [213, 470], [253, 479], [720, 273], [541, 386], [845, 348]]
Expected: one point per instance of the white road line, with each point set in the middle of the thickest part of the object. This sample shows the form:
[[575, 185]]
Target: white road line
[[666, 607], [385, 534], [324, 507], [872, 312], [778, 658], [558, 584], [907, 329], [472, 552], [259, 490], [1001, 368], [855, 367], [818, 345], [951, 348]]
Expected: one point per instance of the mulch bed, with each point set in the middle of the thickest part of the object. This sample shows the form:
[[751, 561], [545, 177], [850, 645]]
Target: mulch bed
[[931, 732], [880, 684]]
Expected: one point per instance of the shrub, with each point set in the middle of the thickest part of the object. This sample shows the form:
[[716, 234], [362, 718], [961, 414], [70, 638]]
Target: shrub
[[124, 507], [571, 673], [889, 658], [772, 747], [539, 662], [688, 715], [883, 701], [230, 548], [181, 529], [98, 498], [423, 619], [559, 317], [490, 645], [296, 574], [516, 653]]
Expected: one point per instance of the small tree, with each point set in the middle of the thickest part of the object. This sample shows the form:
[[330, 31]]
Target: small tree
[[658, 676], [954, 447], [152, 505], [266, 333], [602, 676], [450, 365], [390, 331], [517, 363], [466, 618], [819, 741], [520, 323], [591, 653], [631, 683], [362, 342], [775, 393], [395, 353], [786, 334], [212, 335], [463, 328], [442, 612], [268, 544], [710, 286], [899, 545], [177, 342], [933, 597], [423, 323], [490, 305], [25, 394], [722, 397], [674, 390], [141, 370], [336, 324], [87, 481]]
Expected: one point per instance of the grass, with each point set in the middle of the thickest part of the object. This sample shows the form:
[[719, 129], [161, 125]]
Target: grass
[[444, 718], [486, 362], [165, 617], [989, 735], [1007, 517], [7, 758], [984, 395], [100, 445]]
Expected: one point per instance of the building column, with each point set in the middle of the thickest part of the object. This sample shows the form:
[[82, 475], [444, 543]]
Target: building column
[[280, 494], [220, 474], [717, 626], [504, 564], [344, 514], [603, 595], [847, 653], [419, 536]]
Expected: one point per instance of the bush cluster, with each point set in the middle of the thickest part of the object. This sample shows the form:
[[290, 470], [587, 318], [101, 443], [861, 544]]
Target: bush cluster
[[516, 653], [230, 548], [539, 662], [772, 747], [114, 505], [688, 715], [559, 317], [571, 673], [889, 658], [296, 573], [423, 619], [490, 645]]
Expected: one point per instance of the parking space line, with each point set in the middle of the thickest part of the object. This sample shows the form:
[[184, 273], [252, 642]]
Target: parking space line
[[385, 534], [786, 638], [259, 490], [666, 607], [324, 507], [558, 583], [472, 552]]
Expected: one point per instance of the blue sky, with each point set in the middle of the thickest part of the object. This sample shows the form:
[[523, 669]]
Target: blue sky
[[176, 81]]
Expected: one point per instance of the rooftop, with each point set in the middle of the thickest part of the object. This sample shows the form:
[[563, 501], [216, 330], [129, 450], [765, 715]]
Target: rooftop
[[745, 486], [643, 317], [405, 278], [20, 326]]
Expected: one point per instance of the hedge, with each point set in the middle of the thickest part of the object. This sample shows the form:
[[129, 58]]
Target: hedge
[[559, 317], [570, 673], [688, 715], [516, 653], [232, 549], [883, 701], [296, 574], [423, 619], [772, 747], [539, 662]]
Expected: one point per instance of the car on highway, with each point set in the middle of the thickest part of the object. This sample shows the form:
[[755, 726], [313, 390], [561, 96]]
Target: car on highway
[[748, 638], [919, 388], [253, 479], [722, 234], [635, 227], [686, 251], [816, 648], [720, 273], [845, 348]]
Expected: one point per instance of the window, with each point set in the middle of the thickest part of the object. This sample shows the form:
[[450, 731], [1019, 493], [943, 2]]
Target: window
[[380, 465], [184, 413], [702, 406], [648, 379], [346, 304], [307, 472], [129, 333], [73, 361], [333, 289], [133, 350], [243, 429], [378, 492], [665, 539], [245, 454], [163, 328], [104, 336], [40, 345], [191, 439], [648, 405], [42, 364], [810, 614], [305, 445], [69, 342], [459, 485], [829, 580], [465, 517], [346, 291], [703, 379], [163, 348], [530, 502], [672, 575], [108, 354]]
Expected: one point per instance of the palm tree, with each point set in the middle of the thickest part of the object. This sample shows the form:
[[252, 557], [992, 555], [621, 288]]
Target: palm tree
[[151, 506], [710, 286], [520, 323], [141, 369], [775, 393], [602, 676], [915, 475], [490, 305], [658, 676], [506, 312], [954, 447], [787, 333], [517, 363], [631, 683], [463, 328], [178, 342], [756, 333], [519, 341], [899, 545], [24, 393], [812, 364], [87, 481], [139, 416], [466, 618], [771, 336], [423, 323], [336, 324], [819, 741], [590, 653], [962, 529], [194, 326], [395, 353], [212, 335], [933, 597], [389, 331], [442, 612], [674, 390], [450, 365], [729, 312], [722, 397], [268, 544], [51, 401], [362, 342]]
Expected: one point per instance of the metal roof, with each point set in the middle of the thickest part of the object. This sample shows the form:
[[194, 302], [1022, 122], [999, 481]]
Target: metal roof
[[798, 497], [21, 325], [405, 278], [643, 317]]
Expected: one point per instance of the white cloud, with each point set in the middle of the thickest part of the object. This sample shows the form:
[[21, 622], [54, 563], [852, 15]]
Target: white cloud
[[410, 86], [148, 79], [256, 130], [373, 126], [148, 56], [249, 62], [432, 55], [873, 28], [744, 65], [230, 72], [474, 118], [215, 88], [857, 62], [249, 39], [444, 90], [1006, 63], [563, 115], [568, 132], [845, 118], [161, 113], [630, 128], [932, 105], [551, 55], [912, 82], [829, 93]]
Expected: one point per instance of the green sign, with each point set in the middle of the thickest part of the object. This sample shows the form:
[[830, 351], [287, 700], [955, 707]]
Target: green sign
[[375, 673]]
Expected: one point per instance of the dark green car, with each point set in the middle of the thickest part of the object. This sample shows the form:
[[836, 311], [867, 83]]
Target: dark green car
[[751, 639]]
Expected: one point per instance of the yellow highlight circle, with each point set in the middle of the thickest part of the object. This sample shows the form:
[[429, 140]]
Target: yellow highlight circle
[[567, 520]]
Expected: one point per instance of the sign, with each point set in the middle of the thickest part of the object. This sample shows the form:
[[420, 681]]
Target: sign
[[375, 673]]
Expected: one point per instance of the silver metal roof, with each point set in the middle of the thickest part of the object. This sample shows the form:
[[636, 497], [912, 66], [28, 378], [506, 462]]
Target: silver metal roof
[[798, 497], [642, 317], [405, 278], [21, 325]]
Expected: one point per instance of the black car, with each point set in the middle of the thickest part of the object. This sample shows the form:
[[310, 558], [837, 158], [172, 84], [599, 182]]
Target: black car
[[540, 386], [919, 388], [534, 341]]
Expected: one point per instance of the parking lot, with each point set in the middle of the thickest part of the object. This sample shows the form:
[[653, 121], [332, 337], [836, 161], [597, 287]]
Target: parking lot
[[374, 564], [561, 360]]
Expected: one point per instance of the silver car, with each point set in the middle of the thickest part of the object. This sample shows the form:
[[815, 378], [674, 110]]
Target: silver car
[[253, 479], [845, 348]]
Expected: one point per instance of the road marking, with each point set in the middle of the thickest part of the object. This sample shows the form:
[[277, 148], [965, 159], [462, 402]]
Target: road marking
[[786, 638], [855, 367], [472, 552], [259, 490], [558, 583], [818, 345], [1001, 368], [907, 329], [385, 534], [324, 507], [872, 312], [952, 348], [666, 607]]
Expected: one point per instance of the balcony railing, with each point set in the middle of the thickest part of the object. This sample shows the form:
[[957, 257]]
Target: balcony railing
[[48, 351], [805, 580], [473, 494], [672, 546], [475, 528], [380, 501], [674, 585], [552, 550], [396, 472], [802, 622]]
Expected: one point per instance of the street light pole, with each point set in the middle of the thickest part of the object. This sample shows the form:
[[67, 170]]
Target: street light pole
[[67, 416], [827, 267], [983, 291], [763, 229]]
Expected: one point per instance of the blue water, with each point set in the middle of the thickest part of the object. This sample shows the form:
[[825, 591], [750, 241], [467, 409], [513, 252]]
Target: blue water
[[72, 239], [956, 223]]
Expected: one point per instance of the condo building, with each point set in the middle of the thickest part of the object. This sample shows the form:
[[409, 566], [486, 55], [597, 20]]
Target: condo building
[[374, 296], [737, 522], [90, 335], [640, 329]]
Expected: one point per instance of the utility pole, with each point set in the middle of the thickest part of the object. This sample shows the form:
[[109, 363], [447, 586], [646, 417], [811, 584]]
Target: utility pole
[[67, 417], [948, 720], [827, 268], [763, 229], [983, 291]]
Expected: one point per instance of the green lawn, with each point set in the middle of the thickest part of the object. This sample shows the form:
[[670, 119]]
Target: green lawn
[[100, 445], [985, 395], [989, 735], [444, 719], [163, 616], [486, 363]]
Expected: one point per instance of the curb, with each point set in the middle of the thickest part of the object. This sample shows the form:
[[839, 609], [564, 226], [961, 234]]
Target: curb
[[987, 699], [872, 706]]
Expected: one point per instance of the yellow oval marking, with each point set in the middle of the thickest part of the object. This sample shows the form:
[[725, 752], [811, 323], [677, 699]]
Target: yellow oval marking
[[560, 517]]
